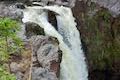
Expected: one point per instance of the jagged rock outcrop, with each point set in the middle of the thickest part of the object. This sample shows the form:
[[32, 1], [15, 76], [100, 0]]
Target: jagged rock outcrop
[[46, 58], [32, 29]]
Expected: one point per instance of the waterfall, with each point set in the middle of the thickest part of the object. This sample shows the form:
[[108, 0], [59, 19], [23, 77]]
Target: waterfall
[[73, 65]]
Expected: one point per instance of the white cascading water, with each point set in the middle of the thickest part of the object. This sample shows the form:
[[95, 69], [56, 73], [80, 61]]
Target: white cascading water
[[73, 65]]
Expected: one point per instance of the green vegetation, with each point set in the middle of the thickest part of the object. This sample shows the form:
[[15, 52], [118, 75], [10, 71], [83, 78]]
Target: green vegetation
[[103, 46], [5, 75], [9, 44]]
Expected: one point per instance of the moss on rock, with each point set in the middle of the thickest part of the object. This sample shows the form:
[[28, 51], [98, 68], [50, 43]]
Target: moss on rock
[[100, 35], [103, 47]]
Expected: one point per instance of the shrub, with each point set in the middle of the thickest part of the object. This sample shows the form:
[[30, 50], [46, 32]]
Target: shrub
[[9, 43]]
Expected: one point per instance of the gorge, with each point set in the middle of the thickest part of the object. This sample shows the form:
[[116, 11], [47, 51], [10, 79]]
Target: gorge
[[64, 39], [73, 65]]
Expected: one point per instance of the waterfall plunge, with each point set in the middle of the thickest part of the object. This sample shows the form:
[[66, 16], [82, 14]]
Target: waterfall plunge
[[73, 66]]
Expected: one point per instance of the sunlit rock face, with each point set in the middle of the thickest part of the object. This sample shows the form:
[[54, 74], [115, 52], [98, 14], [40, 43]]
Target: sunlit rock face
[[46, 58]]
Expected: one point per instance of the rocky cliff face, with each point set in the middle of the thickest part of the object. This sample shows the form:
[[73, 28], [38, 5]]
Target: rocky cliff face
[[42, 62], [112, 5], [100, 36]]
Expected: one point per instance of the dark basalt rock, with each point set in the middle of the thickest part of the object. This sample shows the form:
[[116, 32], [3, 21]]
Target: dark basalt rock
[[20, 5], [32, 29], [52, 19]]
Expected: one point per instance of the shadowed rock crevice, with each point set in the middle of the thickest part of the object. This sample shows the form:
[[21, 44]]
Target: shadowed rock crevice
[[52, 19], [32, 29]]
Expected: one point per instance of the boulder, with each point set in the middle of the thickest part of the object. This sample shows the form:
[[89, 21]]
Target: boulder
[[46, 58], [42, 74]]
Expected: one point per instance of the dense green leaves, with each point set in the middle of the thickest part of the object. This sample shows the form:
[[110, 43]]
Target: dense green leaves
[[10, 43], [4, 75], [8, 27]]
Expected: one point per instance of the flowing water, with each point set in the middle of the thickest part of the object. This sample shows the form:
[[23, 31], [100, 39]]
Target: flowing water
[[73, 65]]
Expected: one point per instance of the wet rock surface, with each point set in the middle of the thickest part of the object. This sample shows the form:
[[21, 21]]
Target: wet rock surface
[[46, 58]]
